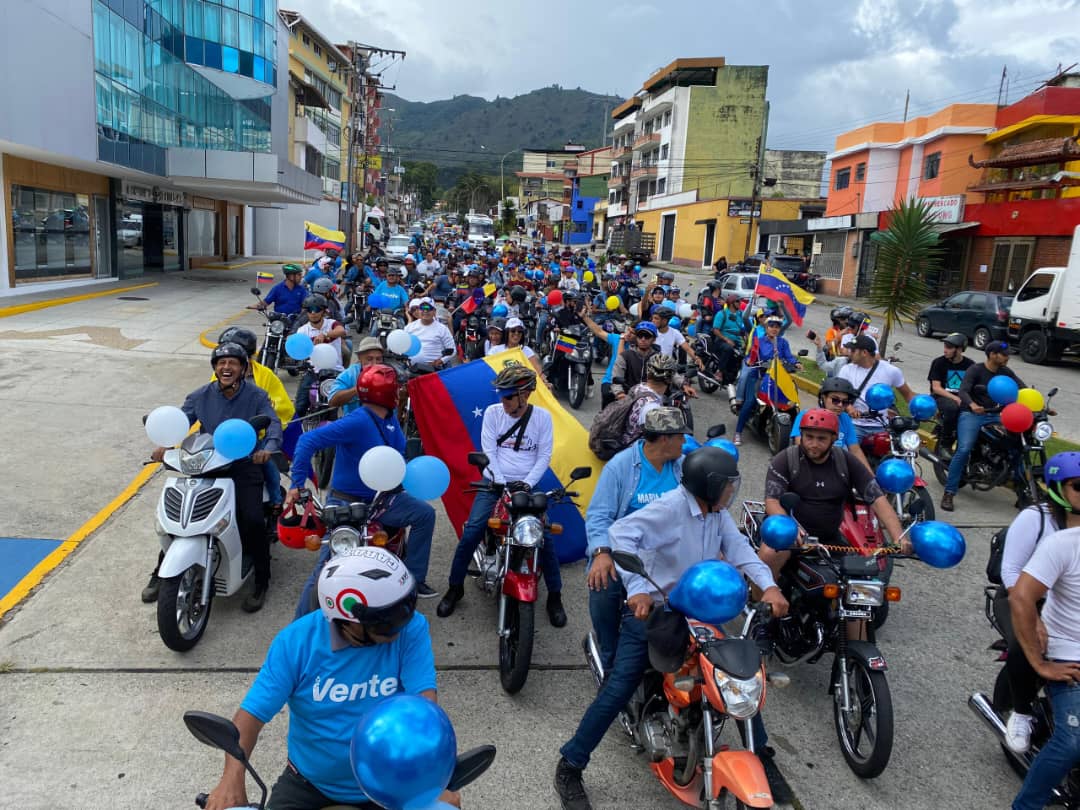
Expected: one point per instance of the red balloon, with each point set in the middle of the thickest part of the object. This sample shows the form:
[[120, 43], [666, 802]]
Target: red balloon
[[554, 299], [1017, 417]]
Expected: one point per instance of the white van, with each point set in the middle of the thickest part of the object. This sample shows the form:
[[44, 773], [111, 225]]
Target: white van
[[1044, 319], [481, 229], [376, 227]]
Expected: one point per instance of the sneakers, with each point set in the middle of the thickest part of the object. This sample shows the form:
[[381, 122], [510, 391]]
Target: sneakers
[[150, 592], [425, 591], [947, 502], [738, 439], [254, 601], [570, 788], [1018, 732], [450, 600], [556, 613]]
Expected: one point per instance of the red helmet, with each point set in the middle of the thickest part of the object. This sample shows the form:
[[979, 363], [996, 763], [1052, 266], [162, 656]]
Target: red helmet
[[294, 528], [820, 419], [378, 385]]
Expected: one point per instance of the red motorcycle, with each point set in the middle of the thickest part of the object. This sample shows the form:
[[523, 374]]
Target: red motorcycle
[[508, 562]]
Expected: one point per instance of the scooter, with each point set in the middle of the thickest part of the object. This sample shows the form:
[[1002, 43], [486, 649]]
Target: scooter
[[197, 527], [222, 734]]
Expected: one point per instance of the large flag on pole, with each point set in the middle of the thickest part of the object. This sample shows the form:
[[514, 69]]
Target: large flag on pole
[[449, 409], [773, 285], [317, 237]]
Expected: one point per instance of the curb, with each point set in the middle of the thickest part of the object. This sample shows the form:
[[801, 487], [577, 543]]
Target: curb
[[210, 344], [18, 309], [241, 265]]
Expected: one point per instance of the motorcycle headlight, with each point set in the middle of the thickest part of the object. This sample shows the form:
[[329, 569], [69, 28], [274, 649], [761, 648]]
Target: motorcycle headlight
[[344, 538], [1043, 431], [193, 463], [910, 440], [865, 593], [528, 531], [277, 327], [742, 698], [326, 388]]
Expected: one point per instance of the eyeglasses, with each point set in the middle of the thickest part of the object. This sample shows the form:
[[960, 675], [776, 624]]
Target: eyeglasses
[[844, 401]]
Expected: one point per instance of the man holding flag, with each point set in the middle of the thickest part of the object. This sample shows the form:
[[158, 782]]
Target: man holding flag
[[774, 354]]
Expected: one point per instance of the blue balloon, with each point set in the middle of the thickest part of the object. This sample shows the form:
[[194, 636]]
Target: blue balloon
[[403, 752], [380, 301], [499, 311], [895, 476], [1003, 390], [879, 397], [938, 544], [426, 478], [234, 438], [414, 346], [711, 591], [690, 444], [923, 407], [674, 323], [779, 532], [667, 305], [298, 346], [691, 330], [727, 445]]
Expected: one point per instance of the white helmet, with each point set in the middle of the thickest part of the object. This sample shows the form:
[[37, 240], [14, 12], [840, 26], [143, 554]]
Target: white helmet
[[370, 586]]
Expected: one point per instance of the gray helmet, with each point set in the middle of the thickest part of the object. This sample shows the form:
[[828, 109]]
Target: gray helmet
[[323, 286], [237, 334], [834, 385], [497, 323], [315, 300], [660, 367], [956, 339], [228, 350]]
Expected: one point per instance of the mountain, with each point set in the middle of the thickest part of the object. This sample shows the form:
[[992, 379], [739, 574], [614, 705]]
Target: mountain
[[470, 133]]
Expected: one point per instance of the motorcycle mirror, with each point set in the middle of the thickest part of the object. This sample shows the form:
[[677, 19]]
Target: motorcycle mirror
[[471, 765], [897, 346], [578, 473], [628, 562], [256, 292], [804, 352], [478, 460], [217, 732], [790, 501], [716, 431], [260, 422], [1051, 392]]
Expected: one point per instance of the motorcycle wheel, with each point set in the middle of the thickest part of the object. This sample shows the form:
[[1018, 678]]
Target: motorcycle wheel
[[941, 472], [689, 416], [181, 622], [866, 738], [575, 391], [779, 436], [913, 495], [515, 648], [707, 386], [1002, 702]]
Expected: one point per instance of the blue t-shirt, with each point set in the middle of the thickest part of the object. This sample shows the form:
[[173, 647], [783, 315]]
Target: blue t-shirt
[[847, 436], [728, 322], [314, 274], [652, 484], [329, 692], [613, 341], [286, 301], [353, 435], [346, 381], [397, 291]]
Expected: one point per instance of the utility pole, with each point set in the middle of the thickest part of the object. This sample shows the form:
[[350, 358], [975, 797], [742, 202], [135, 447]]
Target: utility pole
[[907, 100], [756, 172]]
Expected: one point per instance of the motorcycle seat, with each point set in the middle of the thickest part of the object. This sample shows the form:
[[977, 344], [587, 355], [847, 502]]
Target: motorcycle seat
[[739, 657]]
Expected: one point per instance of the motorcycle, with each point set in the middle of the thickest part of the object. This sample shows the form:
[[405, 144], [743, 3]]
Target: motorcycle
[[676, 718], [715, 374], [1000, 455], [471, 337], [386, 321], [678, 398], [357, 296], [772, 420], [826, 595], [217, 732], [900, 439], [507, 563], [320, 413], [573, 342], [196, 525], [278, 327]]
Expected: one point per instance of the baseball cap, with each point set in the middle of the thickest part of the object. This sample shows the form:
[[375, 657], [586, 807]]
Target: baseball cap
[[864, 342], [996, 347], [514, 323], [368, 344], [665, 421], [414, 303], [425, 303]]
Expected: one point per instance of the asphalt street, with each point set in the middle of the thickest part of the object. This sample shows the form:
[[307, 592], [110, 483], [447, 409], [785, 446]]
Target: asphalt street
[[91, 700]]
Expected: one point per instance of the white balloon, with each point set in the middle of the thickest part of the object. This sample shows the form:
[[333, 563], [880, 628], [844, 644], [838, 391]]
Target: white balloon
[[398, 342], [167, 426], [323, 356], [685, 311], [382, 468], [635, 309]]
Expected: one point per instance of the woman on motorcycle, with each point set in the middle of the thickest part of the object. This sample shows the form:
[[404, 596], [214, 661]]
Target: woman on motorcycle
[[515, 339], [773, 345]]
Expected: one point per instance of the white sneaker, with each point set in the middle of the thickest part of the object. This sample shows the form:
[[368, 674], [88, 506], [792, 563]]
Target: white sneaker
[[1018, 732]]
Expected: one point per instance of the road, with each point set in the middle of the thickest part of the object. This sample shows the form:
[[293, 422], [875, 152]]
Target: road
[[90, 700]]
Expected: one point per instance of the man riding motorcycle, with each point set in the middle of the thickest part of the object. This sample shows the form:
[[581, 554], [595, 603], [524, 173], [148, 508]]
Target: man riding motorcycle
[[287, 297], [629, 369], [321, 329], [660, 381], [772, 346]]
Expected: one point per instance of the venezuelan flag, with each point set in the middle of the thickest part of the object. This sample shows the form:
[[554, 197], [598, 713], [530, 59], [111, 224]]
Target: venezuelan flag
[[317, 237], [565, 344], [449, 409], [771, 284], [263, 277], [778, 385]]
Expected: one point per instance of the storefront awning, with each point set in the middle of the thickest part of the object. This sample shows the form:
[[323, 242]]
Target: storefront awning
[[311, 95], [949, 227]]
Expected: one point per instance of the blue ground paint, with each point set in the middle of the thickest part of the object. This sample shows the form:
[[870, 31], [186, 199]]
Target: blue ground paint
[[18, 556]]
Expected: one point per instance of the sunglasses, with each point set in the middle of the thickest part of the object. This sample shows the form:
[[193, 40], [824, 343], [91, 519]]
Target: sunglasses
[[426, 308], [840, 401], [313, 309], [1074, 485], [645, 335]]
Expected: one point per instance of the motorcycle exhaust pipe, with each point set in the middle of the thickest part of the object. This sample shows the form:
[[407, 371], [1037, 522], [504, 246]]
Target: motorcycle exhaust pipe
[[931, 457], [979, 704], [592, 655]]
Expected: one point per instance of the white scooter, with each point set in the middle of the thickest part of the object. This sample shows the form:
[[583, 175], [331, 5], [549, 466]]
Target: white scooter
[[198, 531]]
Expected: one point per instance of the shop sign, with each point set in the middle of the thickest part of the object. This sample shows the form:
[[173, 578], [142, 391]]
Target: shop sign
[[948, 209], [741, 208], [166, 197], [828, 223], [136, 191]]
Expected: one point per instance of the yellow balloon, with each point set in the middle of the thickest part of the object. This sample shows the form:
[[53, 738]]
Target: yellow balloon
[[612, 302], [1031, 398], [588, 276]]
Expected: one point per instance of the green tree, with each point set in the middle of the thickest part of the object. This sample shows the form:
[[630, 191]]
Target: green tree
[[509, 215], [908, 251], [473, 191], [423, 177]]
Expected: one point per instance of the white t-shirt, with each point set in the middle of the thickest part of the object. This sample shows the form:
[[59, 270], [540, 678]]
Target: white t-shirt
[[434, 338], [428, 269], [530, 461], [885, 372], [502, 347], [1056, 564], [669, 341], [1020, 541], [327, 325]]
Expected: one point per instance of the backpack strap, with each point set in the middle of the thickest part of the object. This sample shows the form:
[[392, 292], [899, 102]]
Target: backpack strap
[[519, 428], [793, 453], [866, 379]]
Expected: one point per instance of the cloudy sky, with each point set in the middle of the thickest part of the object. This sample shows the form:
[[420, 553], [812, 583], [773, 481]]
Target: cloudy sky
[[834, 65]]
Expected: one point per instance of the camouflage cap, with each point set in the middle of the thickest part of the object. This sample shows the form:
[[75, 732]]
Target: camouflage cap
[[665, 421]]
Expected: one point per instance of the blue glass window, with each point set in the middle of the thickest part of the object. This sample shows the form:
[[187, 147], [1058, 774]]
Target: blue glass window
[[258, 70], [194, 20], [230, 59], [259, 9], [246, 63], [194, 52], [230, 28], [247, 33], [212, 23], [213, 55], [246, 6]]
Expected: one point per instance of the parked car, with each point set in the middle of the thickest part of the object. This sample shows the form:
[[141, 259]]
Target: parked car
[[397, 247], [740, 284], [981, 316]]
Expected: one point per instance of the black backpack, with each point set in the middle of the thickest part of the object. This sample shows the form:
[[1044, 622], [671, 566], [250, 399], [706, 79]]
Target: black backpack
[[997, 549]]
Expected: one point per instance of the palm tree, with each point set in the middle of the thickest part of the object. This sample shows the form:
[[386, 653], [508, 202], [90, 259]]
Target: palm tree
[[908, 251]]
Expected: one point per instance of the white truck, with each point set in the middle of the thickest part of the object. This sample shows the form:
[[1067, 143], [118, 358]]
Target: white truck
[[1044, 319], [481, 229]]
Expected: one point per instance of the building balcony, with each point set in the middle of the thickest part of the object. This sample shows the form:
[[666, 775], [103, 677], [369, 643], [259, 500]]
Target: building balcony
[[617, 210], [640, 172], [617, 181], [305, 131], [619, 152], [650, 140]]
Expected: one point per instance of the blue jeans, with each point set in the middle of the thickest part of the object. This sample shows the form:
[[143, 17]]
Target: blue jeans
[[967, 434], [272, 476], [749, 399], [605, 610], [743, 381], [405, 510], [1061, 752], [473, 534], [541, 325]]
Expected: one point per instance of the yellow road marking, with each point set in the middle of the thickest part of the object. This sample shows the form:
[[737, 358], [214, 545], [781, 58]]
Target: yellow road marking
[[18, 309], [210, 344]]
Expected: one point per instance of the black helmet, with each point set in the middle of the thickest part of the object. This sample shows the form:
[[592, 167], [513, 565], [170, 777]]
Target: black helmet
[[237, 334], [840, 314], [518, 294], [836, 385], [856, 319], [497, 323], [381, 262], [315, 301], [955, 339], [707, 470], [228, 350]]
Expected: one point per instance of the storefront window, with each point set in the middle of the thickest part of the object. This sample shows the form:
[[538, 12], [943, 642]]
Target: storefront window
[[129, 239], [170, 232], [202, 235], [52, 234]]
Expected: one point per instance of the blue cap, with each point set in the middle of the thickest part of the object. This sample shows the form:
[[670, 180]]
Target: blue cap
[[646, 326]]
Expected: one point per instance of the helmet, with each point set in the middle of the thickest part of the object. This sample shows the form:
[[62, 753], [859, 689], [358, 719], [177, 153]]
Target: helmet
[[955, 339], [856, 319], [228, 350], [497, 323], [673, 289], [378, 384], [323, 286], [646, 326], [236, 334], [514, 379], [840, 313], [393, 270], [570, 295], [369, 586], [707, 470], [381, 262], [409, 259], [820, 419], [518, 294], [1059, 469], [473, 271], [733, 299], [660, 367], [836, 385], [291, 269], [294, 527], [315, 300]]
